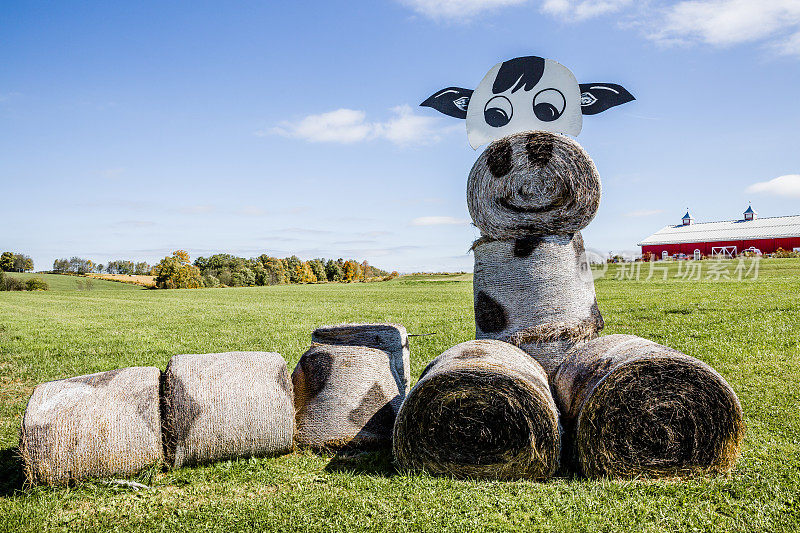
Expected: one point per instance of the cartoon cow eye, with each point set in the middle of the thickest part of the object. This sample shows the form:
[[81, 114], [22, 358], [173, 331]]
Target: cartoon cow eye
[[549, 104], [498, 111]]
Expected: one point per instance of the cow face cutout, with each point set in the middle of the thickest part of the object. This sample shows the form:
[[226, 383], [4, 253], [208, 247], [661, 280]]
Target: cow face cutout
[[524, 94]]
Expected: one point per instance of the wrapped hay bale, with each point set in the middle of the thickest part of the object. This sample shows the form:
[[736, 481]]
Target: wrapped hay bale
[[536, 293], [98, 425], [348, 396], [226, 405], [482, 409], [532, 184], [391, 338], [633, 407]]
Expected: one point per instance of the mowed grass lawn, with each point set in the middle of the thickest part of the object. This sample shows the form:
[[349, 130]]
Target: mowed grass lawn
[[748, 330]]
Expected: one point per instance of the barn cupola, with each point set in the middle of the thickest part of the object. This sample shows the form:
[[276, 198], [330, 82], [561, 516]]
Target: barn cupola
[[687, 219], [750, 214]]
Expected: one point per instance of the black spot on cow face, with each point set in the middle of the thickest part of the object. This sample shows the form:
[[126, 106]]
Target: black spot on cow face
[[525, 246], [316, 367], [539, 148], [489, 315], [499, 159]]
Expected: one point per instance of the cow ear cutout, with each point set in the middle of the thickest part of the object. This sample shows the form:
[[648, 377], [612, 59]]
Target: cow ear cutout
[[597, 97], [452, 101]]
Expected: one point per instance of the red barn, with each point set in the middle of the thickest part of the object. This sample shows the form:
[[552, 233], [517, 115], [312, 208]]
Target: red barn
[[728, 238]]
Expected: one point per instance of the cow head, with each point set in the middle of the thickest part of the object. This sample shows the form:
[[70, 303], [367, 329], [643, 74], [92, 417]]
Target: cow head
[[524, 94]]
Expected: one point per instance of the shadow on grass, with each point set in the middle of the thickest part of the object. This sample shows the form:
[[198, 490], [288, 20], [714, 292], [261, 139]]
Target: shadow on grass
[[372, 463], [11, 476]]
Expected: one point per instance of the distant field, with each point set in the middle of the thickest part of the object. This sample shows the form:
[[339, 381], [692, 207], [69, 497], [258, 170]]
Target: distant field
[[62, 282], [748, 330], [145, 281]]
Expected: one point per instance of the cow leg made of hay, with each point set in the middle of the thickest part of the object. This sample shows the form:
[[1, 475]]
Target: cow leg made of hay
[[631, 407], [98, 425], [348, 390], [227, 405], [482, 409]]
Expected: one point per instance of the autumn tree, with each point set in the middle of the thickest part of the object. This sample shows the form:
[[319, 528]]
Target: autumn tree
[[333, 271], [7, 261], [177, 272]]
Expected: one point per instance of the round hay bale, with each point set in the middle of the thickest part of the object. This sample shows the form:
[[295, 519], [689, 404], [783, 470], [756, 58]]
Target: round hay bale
[[347, 396], [636, 408], [536, 293], [482, 409], [391, 338], [532, 183], [226, 405], [98, 425]]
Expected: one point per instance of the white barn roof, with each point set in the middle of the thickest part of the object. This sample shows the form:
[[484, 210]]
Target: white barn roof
[[729, 230]]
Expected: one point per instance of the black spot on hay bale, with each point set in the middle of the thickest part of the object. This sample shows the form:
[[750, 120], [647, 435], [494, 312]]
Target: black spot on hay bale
[[491, 416], [636, 408], [490, 316], [499, 159], [524, 246], [96, 380], [539, 147], [317, 369]]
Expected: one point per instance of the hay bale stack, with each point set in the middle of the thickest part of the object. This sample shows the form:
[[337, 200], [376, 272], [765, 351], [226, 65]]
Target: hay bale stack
[[533, 183], [482, 409], [632, 407], [347, 397], [391, 338], [535, 293], [98, 425], [226, 405]]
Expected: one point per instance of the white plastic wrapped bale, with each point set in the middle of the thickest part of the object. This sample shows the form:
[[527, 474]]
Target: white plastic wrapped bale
[[227, 405], [98, 425], [482, 409], [536, 293], [632, 407], [347, 393]]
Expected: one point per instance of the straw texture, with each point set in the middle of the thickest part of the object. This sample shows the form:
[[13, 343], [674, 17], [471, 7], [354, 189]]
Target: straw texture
[[348, 396], [98, 425], [532, 183], [632, 407], [536, 293], [482, 409], [226, 405]]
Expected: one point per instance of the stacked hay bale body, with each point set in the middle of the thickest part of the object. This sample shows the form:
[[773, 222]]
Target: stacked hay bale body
[[350, 384], [530, 194], [105, 424], [632, 407], [482, 409], [227, 405]]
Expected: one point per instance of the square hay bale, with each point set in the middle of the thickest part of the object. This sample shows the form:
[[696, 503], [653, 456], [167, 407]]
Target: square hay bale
[[227, 405], [98, 425]]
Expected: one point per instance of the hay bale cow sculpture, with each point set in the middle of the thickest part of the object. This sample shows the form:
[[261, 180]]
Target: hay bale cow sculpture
[[530, 193]]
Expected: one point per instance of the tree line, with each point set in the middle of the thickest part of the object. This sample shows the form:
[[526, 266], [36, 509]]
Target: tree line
[[79, 265], [12, 262]]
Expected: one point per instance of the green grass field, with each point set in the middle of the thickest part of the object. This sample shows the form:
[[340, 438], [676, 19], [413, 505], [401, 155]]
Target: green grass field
[[748, 330]]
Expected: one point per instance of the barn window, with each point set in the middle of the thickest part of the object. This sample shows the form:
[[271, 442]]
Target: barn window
[[697, 255]]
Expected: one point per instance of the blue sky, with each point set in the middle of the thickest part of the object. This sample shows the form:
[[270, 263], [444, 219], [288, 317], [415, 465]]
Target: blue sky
[[133, 129]]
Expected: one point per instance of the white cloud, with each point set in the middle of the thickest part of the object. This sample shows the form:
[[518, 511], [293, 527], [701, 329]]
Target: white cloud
[[347, 126], [438, 221], [582, 10], [644, 213], [456, 9], [788, 185], [730, 22]]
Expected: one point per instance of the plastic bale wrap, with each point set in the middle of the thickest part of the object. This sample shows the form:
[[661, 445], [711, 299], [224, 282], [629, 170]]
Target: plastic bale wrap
[[98, 425], [482, 409], [533, 184], [347, 397], [536, 293], [227, 405], [632, 407]]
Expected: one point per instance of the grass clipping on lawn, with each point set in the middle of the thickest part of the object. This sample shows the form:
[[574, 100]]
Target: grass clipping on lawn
[[226, 405], [632, 407], [98, 425], [482, 409]]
